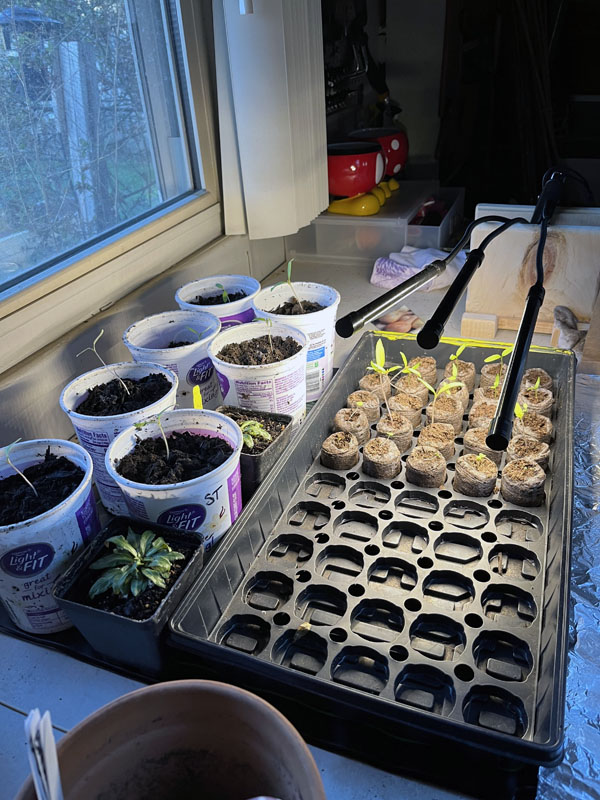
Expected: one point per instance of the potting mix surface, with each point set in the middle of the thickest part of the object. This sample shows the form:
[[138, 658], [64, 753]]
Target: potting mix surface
[[217, 299], [110, 399], [291, 308], [54, 479], [174, 344], [190, 456], [260, 350]]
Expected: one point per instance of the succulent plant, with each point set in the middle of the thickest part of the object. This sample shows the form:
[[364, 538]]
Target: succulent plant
[[251, 430], [136, 562]]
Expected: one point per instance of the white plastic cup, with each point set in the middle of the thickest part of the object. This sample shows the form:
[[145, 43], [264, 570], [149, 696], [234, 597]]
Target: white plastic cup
[[206, 506], [96, 433], [148, 340], [319, 327], [34, 553], [279, 387], [230, 314]]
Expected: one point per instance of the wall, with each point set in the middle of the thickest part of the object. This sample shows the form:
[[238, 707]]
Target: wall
[[29, 392]]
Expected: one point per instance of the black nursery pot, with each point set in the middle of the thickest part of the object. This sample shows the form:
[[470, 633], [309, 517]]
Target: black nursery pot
[[255, 468], [137, 644]]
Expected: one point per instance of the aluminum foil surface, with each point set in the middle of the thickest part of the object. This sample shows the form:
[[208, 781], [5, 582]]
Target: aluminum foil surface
[[578, 776]]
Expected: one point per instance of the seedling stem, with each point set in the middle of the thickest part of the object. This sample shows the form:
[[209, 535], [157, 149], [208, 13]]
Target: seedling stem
[[16, 469], [102, 361]]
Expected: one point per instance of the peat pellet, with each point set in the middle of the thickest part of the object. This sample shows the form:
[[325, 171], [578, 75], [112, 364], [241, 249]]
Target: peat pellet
[[482, 413], [354, 421], [530, 377], [440, 435], [460, 391], [426, 466], [379, 385], [539, 400], [397, 428], [534, 425], [411, 385], [367, 402], [525, 447], [381, 458], [339, 451], [474, 442], [446, 409], [427, 367], [489, 372], [475, 475], [465, 372], [408, 405], [522, 482], [489, 393]]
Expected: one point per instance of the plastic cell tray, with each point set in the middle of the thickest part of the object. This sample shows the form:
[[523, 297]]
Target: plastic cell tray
[[441, 615]]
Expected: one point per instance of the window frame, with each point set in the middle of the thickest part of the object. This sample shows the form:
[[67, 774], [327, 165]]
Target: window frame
[[41, 309]]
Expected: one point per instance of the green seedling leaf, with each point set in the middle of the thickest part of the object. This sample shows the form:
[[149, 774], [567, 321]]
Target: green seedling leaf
[[508, 351], [224, 295], [380, 355], [404, 359], [519, 410], [16, 469], [446, 387], [458, 353], [490, 359], [454, 373]]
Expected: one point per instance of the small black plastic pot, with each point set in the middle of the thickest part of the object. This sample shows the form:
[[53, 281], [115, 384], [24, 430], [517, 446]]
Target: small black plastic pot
[[255, 468], [133, 643]]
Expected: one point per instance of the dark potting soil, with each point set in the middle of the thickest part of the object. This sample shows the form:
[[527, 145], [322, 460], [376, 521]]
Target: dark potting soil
[[217, 299], [190, 456], [108, 399], [272, 426], [261, 350], [55, 478], [177, 344], [307, 307]]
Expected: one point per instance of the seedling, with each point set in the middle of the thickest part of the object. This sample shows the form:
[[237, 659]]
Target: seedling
[[269, 324], [92, 349], [16, 469], [457, 355], [520, 410], [378, 366], [291, 285], [199, 334], [499, 357], [224, 295], [359, 404], [444, 389], [479, 457], [536, 387], [139, 425], [135, 563], [252, 429]]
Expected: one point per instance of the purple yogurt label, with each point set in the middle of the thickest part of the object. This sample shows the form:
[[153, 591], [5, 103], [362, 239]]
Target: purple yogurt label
[[237, 319], [234, 490], [201, 372], [28, 560], [224, 384], [87, 518], [187, 517]]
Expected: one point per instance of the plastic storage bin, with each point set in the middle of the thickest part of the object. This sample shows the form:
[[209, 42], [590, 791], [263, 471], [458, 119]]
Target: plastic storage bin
[[439, 235]]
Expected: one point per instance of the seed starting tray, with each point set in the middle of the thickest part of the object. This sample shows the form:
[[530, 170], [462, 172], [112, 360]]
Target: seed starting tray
[[442, 614]]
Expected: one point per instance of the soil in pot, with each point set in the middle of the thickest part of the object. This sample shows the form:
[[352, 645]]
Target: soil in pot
[[367, 402], [446, 408], [217, 299], [522, 482], [354, 421], [411, 385], [379, 385], [409, 405], [524, 447], [489, 372], [488, 393], [427, 367], [539, 400], [172, 345], [465, 372], [460, 391], [534, 425], [396, 427], [440, 435], [339, 451], [482, 413], [530, 377], [190, 456], [381, 458], [55, 478], [474, 442], [110, 399], [294, 307], [426, 466], [260, 350], [475, 475], [272, 426]]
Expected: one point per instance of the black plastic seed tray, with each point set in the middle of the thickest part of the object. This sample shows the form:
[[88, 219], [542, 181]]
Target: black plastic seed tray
[[441, 614]]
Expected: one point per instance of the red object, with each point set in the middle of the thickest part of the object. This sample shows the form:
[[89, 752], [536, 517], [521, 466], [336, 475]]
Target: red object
[[354, 167], [394, 143]]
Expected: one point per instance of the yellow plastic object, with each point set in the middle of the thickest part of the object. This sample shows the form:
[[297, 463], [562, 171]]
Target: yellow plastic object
[[361, 205], [379, 194], [385, 187], [197, 397], [393, 184]]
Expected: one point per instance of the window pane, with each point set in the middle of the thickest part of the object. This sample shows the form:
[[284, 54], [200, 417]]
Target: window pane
[[92, 134]]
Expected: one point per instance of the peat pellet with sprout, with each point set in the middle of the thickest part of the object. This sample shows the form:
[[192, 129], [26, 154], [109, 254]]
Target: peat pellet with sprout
[[377, 384], [397, 428], [354, 421], [411, 385], [526, 447], [426, 366], [339, 451], [408, 405], [446, 408], [530, 377], [426, 466], [475, 442], [459, 391], [489, 373], [534, 425], [540, 400], [465, 372], [441, 436], [367, 402], [475, 475], [489, 393], [522, 482], [381, 458]]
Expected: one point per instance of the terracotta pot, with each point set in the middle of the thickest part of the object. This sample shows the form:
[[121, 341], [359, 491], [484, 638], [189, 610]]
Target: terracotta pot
[[394, 143], [354, 167], [185, 739]]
